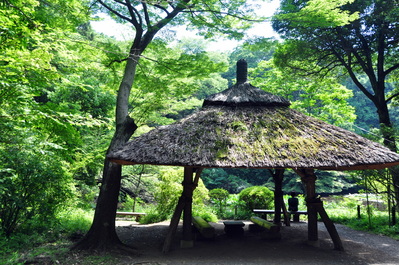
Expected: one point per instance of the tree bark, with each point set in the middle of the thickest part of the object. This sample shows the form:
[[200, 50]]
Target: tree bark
[[388, 134], [102, 234]]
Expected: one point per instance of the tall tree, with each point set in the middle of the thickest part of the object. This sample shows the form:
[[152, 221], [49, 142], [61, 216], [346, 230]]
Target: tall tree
[[148, 18], [359, 37]]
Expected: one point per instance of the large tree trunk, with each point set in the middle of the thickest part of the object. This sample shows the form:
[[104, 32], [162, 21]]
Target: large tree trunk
[[102, 234], [388, 133]]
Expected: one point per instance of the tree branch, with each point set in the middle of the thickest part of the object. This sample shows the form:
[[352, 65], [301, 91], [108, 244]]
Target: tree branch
[[224, 13], [115, 12], [146, 15], [391, 69], [134, 14], [117, 61], [391, 97]]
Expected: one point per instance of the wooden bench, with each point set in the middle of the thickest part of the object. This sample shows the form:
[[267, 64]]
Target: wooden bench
[[137, 215], [270, 230], [266, 212], [203, 227]]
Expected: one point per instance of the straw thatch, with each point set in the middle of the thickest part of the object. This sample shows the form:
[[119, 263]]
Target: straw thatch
[[245, 127], [273, 137], [245, 94]]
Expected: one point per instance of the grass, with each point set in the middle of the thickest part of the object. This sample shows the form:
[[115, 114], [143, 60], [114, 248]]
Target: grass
[[48, 244], [343, 210]]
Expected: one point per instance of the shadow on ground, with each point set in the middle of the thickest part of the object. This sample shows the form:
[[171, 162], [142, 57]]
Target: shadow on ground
[[252, 249]]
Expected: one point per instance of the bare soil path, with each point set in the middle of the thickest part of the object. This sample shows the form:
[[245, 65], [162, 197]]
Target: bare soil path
[[360, 247]]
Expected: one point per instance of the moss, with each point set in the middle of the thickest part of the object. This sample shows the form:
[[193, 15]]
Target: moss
[[238, 126]]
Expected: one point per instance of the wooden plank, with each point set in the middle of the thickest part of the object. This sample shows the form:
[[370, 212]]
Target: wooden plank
[[130, 213], [272, 211], [266, 224], [205, 229], [174, 222], [272, 231]]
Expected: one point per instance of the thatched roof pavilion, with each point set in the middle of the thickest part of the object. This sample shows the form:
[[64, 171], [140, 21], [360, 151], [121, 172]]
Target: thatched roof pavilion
[[246, 127]]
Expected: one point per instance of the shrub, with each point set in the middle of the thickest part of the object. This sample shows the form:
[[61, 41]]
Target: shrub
[[169, 190], [32, 188], [257, 197], [205, 212], [219, 197]]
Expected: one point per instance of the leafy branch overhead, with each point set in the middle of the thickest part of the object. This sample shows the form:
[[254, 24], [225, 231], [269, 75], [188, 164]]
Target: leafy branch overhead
[[230, 18]]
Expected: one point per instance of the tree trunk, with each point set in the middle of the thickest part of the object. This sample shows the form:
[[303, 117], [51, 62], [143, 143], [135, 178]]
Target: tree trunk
[[388, 134], [102, 234]]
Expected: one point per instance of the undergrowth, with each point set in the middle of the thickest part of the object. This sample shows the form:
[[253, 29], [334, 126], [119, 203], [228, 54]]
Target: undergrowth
[[35, 243]]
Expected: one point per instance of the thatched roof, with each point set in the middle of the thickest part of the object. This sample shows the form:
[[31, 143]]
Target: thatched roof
[[244, 94], [274, 137], [253, 130]]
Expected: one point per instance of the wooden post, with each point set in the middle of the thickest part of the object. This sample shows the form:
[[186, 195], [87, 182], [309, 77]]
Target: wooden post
[[181, 205], [188, 188], [330, 226], [309, 179], [287, 220], [278, 175], [173, 224]]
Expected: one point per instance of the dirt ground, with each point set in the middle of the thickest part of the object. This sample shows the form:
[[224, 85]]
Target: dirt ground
[[360, 247]]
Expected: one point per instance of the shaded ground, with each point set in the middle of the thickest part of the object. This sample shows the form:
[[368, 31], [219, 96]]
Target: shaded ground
[[360, 247]]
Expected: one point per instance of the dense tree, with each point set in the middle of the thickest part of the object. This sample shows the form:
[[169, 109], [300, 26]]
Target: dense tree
[[323, 98], [37, 140], [357, 38]]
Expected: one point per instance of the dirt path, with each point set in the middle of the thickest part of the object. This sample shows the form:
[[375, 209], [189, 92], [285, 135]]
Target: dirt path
[[360, 247]]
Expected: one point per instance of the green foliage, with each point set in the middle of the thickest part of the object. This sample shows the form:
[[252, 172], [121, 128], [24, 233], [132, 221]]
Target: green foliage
[[231, 180], [219, 197], [205, 212], [323, 98], [32, 187], [169, 190], [165, 85], [257, 197], [343, 209], [324, 14], [26, 245]]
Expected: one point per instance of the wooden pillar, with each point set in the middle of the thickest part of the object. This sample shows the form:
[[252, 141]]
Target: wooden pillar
[[308, 177], [188, 188], [315, 206], [330, 227], [278, 175], [182, 207]]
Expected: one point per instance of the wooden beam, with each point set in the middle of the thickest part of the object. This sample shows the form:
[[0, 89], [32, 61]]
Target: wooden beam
[[330, 227], [174, 222], [188, 188]]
